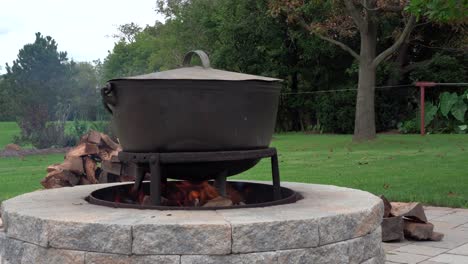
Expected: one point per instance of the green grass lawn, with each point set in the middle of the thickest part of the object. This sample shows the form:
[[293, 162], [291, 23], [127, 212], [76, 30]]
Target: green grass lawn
[[7, 131], [431, 169]]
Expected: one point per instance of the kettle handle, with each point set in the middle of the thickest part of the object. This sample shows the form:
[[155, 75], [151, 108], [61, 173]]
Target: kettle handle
[[201, 54], [108, 97]]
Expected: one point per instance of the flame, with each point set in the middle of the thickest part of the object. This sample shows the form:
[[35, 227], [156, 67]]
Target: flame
[[179, 193], [186, 193]]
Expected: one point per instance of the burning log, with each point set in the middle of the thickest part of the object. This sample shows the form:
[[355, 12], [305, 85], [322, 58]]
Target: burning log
[[81, 163], [218, 202]]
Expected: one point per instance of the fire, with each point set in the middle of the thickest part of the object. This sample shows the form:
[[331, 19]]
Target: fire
[[186, 193], [181, 193]]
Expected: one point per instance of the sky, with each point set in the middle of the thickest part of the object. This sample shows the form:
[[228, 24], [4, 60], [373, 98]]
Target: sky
[[82, 28]]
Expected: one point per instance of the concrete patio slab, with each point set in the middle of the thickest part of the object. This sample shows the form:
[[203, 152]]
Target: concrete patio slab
[[453, 249]]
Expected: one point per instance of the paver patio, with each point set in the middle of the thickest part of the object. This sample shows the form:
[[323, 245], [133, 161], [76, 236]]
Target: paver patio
[[452, 249]]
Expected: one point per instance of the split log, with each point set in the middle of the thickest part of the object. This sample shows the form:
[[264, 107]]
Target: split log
[[114, 156], [73, 164], [54, 167], [90, 169], [57, 179], [414, 211], [218, 201], [392, 229], [109, 142], [112, 167], [387, 206], [94, 137], [83, 149], [418, 231], [103, 177], [84, 181], [436, 236]]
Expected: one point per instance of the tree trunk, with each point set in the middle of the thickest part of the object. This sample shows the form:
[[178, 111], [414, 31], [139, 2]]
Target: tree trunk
[[364, 123], [400, 61]]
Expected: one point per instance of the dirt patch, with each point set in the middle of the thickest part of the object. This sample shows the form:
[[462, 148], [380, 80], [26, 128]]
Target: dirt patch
[[27, 152]]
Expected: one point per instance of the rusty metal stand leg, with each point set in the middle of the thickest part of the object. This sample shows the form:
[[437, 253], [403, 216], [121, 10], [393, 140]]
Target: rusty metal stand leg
[[155, 184], [139, 177], [220, 183], [276, 177]]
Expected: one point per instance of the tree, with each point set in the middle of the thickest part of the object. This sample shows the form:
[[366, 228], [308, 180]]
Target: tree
[[85, 95], [38, 84], [127, 32], [347, 18]]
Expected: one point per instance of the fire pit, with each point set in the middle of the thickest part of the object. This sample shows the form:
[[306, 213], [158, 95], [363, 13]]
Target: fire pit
[[329, 225]]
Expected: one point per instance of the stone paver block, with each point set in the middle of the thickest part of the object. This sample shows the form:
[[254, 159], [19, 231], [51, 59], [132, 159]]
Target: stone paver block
[[402, 257], [107, 238], [34, 254], [364, 248], [102, 258], [450, 259], [461, 212], [443, 226], [420, 249], [333, 253], [182, 239], [265, 236], [346, 226], [26, 228], [452, 238], [390, 246], [454, 219], [461, 250], [431, 215], [11, 250], [375, 260], [252, 258]]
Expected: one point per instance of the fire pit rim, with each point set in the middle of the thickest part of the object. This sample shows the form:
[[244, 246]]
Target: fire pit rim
[[287, 199]]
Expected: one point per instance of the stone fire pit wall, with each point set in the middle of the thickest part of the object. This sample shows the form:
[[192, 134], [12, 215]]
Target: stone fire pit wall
[[330, 225]]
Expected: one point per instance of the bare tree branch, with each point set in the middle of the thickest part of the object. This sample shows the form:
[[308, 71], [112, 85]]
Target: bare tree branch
[[339, 44], [404, 35], [336, 42], [354, 13]]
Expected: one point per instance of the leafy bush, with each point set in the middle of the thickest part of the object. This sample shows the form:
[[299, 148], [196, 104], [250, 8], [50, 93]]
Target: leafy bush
[[408, 127], [78, 128], [448, 116], [335, 111], [37, 131]]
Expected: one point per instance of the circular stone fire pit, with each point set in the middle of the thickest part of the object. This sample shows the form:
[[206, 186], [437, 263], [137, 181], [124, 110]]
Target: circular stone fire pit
[[330, 225]]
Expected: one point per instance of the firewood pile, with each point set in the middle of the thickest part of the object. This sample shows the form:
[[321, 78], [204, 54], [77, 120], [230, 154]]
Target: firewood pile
[[93, 160], [406, 220]]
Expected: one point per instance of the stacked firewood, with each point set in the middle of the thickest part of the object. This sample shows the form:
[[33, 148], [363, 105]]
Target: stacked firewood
[[406, 220], [93, 160]]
